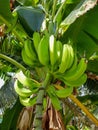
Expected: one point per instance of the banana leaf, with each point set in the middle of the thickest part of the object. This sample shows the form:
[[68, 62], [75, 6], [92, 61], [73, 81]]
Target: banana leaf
[[31, 18]]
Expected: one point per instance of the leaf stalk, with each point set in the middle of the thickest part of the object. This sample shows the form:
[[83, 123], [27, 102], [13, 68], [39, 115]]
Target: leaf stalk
[[12, 61]]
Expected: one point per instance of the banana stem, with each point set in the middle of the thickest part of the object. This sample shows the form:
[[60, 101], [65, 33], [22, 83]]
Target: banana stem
[[37, 124], [59, 11], [12, 61]]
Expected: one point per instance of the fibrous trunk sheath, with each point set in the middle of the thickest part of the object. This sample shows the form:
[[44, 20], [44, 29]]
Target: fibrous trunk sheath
[[37, 124]]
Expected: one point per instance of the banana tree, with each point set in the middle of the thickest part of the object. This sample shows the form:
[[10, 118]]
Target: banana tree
[[51, 49]]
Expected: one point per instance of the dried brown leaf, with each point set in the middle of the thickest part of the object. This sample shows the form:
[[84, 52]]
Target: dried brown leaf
[[52, 119], [24, 120]]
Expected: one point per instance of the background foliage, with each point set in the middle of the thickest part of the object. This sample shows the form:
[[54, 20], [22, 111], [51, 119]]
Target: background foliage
[[75, 20]]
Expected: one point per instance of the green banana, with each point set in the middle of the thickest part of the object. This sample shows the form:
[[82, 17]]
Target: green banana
[[28, 61], [43, 50], [63, 93], [71, 56], [77, 83], [65, 59], [73, 66], [36, 40], [77, 72], [28, 101], [21, 90], [58, 75], [32, 84], [29, 50], [52, 50], [59, 48], [55, 101]]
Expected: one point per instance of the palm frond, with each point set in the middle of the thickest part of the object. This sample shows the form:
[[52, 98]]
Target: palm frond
[[8, 95]]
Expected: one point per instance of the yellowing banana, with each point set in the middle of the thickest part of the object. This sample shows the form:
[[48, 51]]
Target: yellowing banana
[[28, 101], [21, 90], [43, 50], [28, 82], [77, 72]]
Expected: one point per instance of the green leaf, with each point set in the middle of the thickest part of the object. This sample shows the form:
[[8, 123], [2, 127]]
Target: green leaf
[[90, 97], [91, 23], [79, 10], [10, 117], [83, 33], [93, 66], [31, 18], [5, 12], [71, 1], [86, 45], [71, 127], [54, 99]]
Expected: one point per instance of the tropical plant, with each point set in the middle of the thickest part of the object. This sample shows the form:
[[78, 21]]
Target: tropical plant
[[48, 59]]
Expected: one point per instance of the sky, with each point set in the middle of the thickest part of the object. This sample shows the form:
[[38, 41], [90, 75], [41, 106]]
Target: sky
[[1, 83]]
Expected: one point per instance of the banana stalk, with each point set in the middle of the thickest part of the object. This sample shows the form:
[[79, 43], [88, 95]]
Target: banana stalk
[[37, 124], [80, 105], [84, 109]]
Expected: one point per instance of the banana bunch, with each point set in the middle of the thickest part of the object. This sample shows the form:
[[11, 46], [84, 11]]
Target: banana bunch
[[59, 59], [26, 87], [29, 55]]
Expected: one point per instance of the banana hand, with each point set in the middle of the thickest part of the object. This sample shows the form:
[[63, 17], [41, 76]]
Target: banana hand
[[29, 50], [77, 83], [28, 101], [21, 90], [77, 72], [28, 61], [28, 82]]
